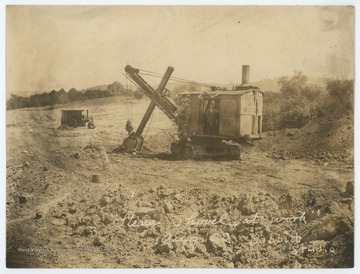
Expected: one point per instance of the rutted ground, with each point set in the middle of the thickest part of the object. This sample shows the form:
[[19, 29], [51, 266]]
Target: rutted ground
[[149, 210]]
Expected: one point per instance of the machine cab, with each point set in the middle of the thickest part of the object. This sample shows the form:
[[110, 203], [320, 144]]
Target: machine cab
[[232, 114]]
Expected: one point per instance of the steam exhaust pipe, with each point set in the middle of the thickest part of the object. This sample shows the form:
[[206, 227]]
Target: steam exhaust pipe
[[245, 74]]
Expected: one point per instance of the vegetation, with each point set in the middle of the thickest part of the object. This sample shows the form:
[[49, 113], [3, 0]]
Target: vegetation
[[342, 95], [192, 86], [61, 96], [298, 102]]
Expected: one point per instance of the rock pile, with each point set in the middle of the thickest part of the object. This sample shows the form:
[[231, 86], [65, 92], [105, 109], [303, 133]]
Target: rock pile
[[242, 230], [320, 140]]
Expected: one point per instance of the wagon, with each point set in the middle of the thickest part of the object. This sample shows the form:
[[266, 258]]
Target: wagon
[[75, 118]]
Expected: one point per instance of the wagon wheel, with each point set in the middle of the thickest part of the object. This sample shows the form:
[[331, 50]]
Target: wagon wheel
[[72, 123]]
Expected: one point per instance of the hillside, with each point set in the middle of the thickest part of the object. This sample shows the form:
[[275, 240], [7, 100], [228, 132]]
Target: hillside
[[99, 87]]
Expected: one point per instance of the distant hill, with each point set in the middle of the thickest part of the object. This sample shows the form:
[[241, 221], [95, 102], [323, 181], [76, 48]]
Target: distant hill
[[264, 84], [267, 84], [272, 84], [100, 87]]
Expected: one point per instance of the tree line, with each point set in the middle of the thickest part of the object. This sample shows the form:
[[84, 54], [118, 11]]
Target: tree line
[[298, 102], [61, 97]]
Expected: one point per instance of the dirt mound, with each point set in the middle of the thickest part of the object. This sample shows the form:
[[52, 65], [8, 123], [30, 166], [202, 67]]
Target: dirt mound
[[160, 142], [322, 140], [31, 117]]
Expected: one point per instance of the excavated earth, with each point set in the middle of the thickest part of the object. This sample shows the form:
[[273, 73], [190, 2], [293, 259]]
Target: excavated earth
[[286, 203]]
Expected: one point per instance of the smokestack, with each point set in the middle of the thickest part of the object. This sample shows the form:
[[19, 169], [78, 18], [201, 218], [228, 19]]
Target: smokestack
[[245, 74]]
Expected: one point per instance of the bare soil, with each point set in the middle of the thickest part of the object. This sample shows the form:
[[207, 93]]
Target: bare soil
[[286, 203]]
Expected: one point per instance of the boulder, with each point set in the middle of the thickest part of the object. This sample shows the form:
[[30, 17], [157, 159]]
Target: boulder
[[349, 188], [178, 197], [107, 219], [22, 199], [143, 211], [58, 222], [98, 241], [217, 242], [38, 215], [168, 207], [200, 248], [71, 221], [248, 208], [104, 201], [88, 230], [229, 265], [72, 209], [164, 248]]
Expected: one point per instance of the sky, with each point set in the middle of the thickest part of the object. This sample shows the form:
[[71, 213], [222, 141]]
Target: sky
[[54, 47]]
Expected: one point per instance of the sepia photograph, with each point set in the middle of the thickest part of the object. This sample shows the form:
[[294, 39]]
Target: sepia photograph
[[179, 136]]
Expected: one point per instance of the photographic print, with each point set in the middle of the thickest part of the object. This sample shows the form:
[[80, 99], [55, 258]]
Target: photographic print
[[179, 136]]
